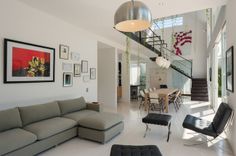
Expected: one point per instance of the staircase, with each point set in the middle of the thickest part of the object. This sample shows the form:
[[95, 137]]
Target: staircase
[[149, 39], [199, 91], [158, 46]]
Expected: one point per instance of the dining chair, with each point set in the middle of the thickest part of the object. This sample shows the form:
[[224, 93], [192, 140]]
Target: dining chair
[[163, 86], [175, 99], [142, 95], [146, 91], [155, 103]]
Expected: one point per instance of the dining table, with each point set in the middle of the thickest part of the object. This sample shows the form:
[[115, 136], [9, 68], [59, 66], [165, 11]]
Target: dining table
[[162, 93]]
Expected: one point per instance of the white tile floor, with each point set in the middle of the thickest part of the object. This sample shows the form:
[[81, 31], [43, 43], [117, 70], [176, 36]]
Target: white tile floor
[[134, 130]]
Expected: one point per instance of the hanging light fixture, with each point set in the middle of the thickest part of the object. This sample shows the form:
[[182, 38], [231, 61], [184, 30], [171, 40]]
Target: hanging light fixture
[[159, 61], [132, 16], [168, 64], [162, 62]]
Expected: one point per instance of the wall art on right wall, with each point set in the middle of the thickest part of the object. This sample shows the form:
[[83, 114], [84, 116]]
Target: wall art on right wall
[[230, 69]]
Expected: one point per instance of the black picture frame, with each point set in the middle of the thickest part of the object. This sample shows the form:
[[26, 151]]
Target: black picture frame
[[230, 69], [84, 66], [210, 74], [14, 48]]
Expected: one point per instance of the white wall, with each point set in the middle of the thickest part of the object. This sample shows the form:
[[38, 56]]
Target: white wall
[[21, 22], [156, 75], [107, 76], [231, 40], [199, 53]]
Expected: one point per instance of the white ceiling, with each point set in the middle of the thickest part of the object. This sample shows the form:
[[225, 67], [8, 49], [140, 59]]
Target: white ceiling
[[97, 15]]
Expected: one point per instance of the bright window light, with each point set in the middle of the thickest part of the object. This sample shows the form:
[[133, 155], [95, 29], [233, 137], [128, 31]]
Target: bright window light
[[134, 74], [168, 23]]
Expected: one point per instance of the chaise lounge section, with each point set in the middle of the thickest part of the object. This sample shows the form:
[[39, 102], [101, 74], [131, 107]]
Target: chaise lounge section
[[34, 129]]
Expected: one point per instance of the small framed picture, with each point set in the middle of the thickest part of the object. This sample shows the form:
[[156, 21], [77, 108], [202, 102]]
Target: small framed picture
[[77, 69], [64, 52], [67, 67], [92, 73], [75, 56], [67, 79], [84, 66]]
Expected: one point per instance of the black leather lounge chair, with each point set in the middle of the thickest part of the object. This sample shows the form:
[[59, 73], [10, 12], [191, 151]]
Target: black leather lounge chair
[[214, 128]]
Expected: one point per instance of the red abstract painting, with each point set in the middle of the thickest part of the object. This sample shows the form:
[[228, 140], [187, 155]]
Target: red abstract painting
[[30, 63]]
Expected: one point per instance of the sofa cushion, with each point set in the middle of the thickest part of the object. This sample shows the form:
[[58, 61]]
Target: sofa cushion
[[14, 139], [73, 105], [10, 119], [80, 115], [101, 121], [46, 128], [31, 114]]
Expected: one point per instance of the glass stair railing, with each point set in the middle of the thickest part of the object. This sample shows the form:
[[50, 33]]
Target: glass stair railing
[[156, 44], [178, 63]]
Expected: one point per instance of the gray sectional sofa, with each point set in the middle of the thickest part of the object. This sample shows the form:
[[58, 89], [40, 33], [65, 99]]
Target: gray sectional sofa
[[27, 131]]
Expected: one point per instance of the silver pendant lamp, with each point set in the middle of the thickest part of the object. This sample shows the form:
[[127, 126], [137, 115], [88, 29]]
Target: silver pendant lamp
[[132, 16]]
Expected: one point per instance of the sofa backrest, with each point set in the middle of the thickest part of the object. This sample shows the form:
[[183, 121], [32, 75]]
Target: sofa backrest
[[10, 119], [73, 105], [35, 113], [222, 117]]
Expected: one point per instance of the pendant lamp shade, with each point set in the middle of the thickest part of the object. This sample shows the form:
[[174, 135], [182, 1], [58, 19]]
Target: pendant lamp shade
[[162, 62], [159, 61], [168, 64], [132, 16]]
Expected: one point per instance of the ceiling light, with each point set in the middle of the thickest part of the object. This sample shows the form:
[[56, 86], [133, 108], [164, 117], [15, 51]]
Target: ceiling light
[[132, 16]]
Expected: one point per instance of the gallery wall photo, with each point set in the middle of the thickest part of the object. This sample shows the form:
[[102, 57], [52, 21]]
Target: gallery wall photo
[[28, 63]]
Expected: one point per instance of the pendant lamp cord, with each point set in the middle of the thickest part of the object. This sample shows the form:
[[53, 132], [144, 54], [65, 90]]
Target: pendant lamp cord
[[132, 3]]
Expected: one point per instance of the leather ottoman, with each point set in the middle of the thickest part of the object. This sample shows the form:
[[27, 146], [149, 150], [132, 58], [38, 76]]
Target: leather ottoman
[[100, 127], [127, 150], [158, 119]]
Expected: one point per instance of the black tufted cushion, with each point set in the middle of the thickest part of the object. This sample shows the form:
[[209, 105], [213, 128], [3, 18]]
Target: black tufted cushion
[[127, 150], [158, 119], [199, 125]]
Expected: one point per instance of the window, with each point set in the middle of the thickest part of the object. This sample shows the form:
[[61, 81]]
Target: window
[[167, 23]]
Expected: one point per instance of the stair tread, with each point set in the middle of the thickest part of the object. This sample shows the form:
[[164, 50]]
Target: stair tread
[[199, 90]]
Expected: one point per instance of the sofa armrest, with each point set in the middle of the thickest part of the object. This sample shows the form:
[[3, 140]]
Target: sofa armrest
[[95, 107]]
